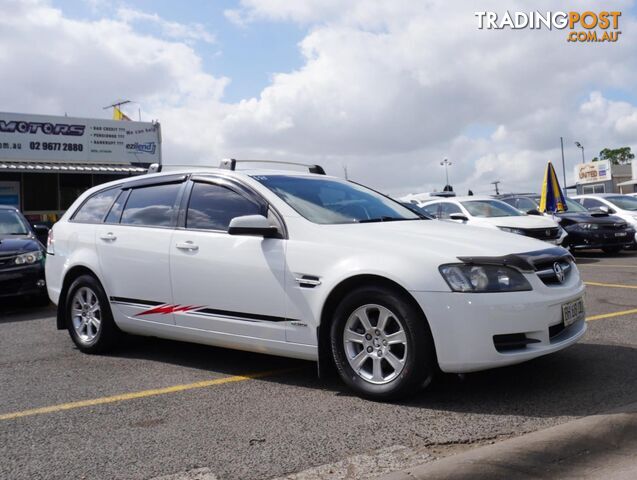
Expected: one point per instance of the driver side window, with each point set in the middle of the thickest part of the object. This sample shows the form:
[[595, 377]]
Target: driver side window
[[212, 207]]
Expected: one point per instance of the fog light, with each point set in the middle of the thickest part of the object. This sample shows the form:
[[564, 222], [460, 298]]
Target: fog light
[[40, 283]]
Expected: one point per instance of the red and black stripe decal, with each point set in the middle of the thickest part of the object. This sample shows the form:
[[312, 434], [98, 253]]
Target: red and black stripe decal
[[160, 308]]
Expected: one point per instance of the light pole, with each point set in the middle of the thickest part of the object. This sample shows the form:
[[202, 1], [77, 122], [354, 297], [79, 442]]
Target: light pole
[[446, 163], [579, 145]]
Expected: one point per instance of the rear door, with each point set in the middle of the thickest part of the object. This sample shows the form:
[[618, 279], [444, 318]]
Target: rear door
[[133, 246], [225, 283]]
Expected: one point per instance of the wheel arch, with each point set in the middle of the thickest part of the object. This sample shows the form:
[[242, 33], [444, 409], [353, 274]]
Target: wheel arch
[[325, 359], [70, 276]]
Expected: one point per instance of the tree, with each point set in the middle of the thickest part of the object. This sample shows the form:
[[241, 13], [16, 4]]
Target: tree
[[617, 156]]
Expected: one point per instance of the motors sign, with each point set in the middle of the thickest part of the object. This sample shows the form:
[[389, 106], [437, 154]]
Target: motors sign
[[593, 172], [43, 138]]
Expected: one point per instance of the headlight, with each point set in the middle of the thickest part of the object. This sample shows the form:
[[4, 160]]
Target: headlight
[[28, 258], [462, 277], [518, 231], [589, 226]]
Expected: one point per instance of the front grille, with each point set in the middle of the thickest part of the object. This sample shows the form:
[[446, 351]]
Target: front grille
[[614, 226], [543, 233], [7, 261], [512, 341], [546, 271]]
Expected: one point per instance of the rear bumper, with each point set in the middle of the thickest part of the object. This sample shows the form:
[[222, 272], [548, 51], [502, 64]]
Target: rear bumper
[[22, 280]]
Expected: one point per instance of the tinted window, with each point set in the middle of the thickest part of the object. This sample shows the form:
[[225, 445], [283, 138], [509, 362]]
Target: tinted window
[[152, 206], [330, 201], [573, 206], [212, 207], [525, 204], [490, 208], [624, 202], [446, 209], [95, 208], [432, 209], [592, 203], [116, 210]]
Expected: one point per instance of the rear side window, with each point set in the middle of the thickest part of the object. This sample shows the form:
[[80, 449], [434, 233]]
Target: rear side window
[[95, 208], [116, 210], [212, 207], [153, 206]]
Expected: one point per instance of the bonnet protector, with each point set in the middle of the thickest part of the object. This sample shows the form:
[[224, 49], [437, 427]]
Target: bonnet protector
[[525, 262]]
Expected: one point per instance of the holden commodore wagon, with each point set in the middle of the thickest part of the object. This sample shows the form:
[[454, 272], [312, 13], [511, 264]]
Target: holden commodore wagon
[[304, 265]]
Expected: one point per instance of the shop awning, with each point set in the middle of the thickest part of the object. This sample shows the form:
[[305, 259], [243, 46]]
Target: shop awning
[[67, 167], [629, 182]]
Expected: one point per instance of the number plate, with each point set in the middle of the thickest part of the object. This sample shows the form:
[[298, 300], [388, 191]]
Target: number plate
[[573, 311], [620, 234]]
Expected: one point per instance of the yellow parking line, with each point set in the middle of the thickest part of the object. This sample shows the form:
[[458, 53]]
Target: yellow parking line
[[611, 315], [610, 285], [140, 394]]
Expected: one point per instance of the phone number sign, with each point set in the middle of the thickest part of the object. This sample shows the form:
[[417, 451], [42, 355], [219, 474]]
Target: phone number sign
[[44, 138]]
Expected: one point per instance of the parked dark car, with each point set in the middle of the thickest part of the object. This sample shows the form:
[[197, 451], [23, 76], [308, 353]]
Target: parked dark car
[[586, 230], [22, 257]]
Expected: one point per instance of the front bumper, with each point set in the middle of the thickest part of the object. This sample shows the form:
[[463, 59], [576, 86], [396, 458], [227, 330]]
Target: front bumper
[[22, 280], [464, 325], [599, 239]]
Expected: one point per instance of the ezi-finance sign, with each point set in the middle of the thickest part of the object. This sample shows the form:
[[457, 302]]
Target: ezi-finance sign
[[44, 138]]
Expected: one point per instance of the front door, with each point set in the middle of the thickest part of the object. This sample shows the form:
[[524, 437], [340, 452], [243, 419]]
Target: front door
[[229, 284]]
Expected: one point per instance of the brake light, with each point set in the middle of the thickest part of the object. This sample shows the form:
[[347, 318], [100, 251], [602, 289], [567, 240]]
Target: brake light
[[50, 243]]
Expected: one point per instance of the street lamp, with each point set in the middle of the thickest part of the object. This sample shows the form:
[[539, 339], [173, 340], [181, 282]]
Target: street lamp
[[446, 163], [579, 145]]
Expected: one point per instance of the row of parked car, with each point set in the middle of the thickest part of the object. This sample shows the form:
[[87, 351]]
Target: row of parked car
[[599, 221]]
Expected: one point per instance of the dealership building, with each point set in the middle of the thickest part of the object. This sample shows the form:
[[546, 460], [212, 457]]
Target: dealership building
[[604, 177], [46, 162]]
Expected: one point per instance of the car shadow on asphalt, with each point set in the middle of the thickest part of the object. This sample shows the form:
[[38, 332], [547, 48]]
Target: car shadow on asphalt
[[594, 256], [21, 308], [584, 379]]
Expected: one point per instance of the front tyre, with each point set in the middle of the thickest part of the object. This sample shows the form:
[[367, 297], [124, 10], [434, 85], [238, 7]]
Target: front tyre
[[381, 343], [88, 316]]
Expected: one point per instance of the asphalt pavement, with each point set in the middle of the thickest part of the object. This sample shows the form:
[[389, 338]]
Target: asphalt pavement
[[156, 408]]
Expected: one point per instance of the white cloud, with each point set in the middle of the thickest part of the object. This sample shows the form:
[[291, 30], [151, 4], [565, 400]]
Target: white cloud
[[387, 87], [180, 31]]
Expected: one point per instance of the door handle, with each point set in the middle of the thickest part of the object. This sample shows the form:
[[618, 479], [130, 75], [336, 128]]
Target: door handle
[[109, 237], [188, 246]]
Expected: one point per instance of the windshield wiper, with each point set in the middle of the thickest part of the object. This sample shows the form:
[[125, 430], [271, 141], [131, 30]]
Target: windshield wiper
[[381, 219]]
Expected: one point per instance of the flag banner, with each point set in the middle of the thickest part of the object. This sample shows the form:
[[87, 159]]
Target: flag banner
[[552, 199]]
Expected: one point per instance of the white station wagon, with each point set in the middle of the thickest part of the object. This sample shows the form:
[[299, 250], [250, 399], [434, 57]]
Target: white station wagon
[[307, 266]]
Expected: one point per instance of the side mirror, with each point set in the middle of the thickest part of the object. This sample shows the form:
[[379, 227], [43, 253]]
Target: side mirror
[[534, 211], [256, 225], [458, 217], [41, 232]]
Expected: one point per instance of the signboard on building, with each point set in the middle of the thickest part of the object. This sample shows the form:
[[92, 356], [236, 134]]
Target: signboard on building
[[593, 172], [44, 138]]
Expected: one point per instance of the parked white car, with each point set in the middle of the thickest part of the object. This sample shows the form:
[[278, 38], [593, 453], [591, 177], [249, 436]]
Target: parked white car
[[306, 266], [491, 213], [622, 206]]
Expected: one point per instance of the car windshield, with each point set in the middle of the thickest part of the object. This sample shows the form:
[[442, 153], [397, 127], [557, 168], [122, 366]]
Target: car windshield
[[332, 201], [490, 208], [624, 202], [11, 223], [574, 206]]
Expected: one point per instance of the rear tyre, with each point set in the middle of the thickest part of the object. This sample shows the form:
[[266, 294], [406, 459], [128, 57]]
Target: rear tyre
[[611, 250], [381, 343], [88, 316]]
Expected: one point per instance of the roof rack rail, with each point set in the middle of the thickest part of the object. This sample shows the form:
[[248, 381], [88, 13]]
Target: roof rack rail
[[231, 164]]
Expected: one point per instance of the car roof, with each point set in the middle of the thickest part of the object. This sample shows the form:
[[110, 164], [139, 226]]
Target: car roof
[[461, 199], [8, 207]]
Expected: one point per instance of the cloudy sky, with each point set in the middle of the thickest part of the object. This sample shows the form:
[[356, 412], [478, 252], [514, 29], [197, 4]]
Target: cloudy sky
[[386, 87]]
